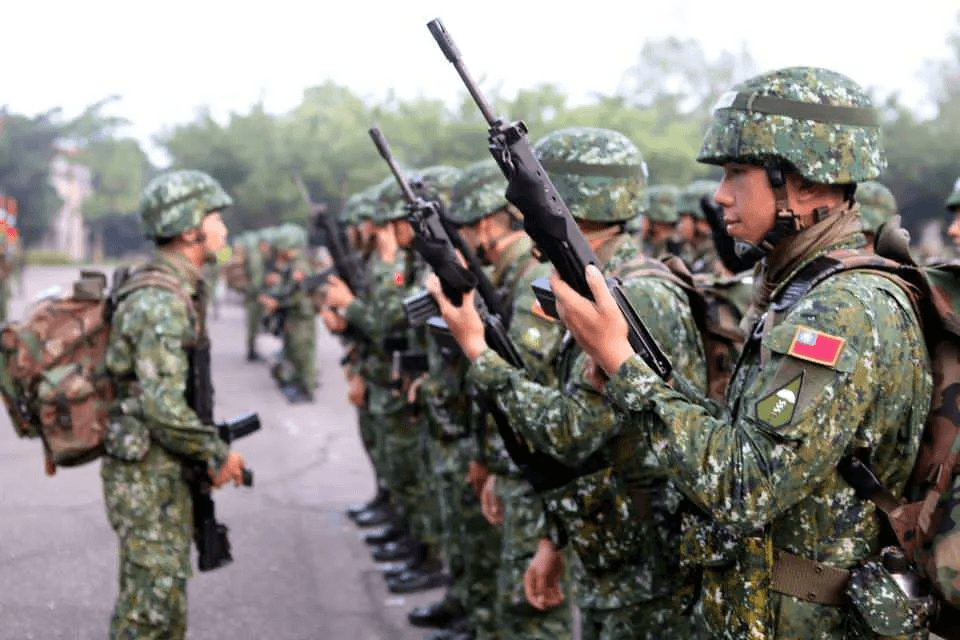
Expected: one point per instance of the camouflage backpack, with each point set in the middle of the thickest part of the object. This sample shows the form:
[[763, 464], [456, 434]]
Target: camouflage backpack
[[926, 518], [52, 372]]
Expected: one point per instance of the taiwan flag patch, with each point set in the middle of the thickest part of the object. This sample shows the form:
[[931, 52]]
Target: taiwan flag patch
[[816, 346], [398, 278]]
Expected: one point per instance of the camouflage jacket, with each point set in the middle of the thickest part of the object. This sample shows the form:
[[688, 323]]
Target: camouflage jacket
[[377, 316], [154, 429], [844, 368], [294, 300], [628, 557], [253, 268]]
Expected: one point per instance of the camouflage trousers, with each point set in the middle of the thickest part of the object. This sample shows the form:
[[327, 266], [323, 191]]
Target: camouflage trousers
[[470, 545], [151, 604], [300, 350], [253, 322], [652, 620], [368, 436], [516, 618], [424, 515]]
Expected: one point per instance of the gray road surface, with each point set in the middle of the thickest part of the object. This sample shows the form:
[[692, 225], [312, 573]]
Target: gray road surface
[[300, 570]]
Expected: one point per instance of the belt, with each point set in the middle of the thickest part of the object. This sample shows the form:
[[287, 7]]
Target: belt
[[808, 580]]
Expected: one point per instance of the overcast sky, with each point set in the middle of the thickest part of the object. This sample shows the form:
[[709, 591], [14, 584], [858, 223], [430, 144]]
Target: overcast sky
[[168, 58]]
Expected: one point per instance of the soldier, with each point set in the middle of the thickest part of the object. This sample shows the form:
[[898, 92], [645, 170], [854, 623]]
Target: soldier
[[361, 362], [663, 218], [829, 371], [296, 373], [493, 228], [877, 205], [257, 248], [629, 583], [153, 329], [699, 253]]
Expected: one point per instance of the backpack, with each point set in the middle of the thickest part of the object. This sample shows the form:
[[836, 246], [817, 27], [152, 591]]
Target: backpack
[[53, 378], [926, 518], [715, 313]]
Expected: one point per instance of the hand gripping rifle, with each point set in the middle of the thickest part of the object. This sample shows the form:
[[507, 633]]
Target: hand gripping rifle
[[546, 218], [437, 241]]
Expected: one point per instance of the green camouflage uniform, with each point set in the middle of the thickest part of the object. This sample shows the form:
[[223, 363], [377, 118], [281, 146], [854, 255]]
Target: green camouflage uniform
[[253, 267], [299, 363], [147, 500], [629, 584], [700, 255], [844, 368]]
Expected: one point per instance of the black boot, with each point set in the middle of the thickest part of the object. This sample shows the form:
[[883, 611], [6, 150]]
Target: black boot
[[401, 549], [429, 575], [374, 517], [438, 615], [253, 356], [382, 536], [381, 498]]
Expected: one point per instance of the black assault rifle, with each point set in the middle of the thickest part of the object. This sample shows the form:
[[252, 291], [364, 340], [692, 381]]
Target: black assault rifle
[[437, 241], [210, 536], [346, 262], [546, 218]]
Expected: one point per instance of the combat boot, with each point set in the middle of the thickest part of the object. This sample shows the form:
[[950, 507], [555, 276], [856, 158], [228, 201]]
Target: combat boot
[[388, 534], [400, 549], [374, 517], [439, 614], [429, 575], [381, 498]]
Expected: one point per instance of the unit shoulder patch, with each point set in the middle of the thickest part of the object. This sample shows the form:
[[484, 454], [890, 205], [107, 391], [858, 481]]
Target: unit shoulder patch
[[777, 408]]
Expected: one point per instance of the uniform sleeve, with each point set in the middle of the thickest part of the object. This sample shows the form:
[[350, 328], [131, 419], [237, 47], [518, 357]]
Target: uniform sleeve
[[826, 365], [157, 326]]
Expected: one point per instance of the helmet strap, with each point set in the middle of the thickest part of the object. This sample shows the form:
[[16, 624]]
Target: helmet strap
[[786, 222]]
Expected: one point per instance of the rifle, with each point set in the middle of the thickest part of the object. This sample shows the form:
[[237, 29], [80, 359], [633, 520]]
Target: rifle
[[546, 218], [210, 536], [347, 263], [437, 240]]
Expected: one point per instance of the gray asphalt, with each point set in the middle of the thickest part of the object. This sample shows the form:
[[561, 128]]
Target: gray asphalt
[[300, 570]]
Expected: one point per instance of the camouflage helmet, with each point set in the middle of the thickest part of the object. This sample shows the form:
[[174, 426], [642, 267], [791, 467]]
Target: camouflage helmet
[[953, 200], [436, 183], [815, 121], [478, 193], [390, 203], [689, 200], [599, 173], [663, 204], [177, 201], [289, 236], [877, 205], [360, 206]]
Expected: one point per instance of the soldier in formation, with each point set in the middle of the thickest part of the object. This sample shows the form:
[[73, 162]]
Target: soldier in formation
[[814, 383]]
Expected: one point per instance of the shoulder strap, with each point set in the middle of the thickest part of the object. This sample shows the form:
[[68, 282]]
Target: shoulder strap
[[150, 277]]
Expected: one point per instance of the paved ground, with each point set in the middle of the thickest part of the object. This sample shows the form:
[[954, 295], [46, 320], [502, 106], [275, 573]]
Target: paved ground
[[300, 570]]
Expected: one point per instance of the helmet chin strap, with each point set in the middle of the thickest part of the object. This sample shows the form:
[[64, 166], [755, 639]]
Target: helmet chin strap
[[786, 222]]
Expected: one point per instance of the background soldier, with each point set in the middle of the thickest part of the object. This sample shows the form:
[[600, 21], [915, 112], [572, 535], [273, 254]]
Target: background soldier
[[147, 499], [877, 205], [699, 251], [296, 373], [662, 217]]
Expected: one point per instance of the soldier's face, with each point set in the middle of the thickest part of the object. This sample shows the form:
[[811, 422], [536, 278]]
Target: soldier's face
[[404, 233], [749, 205], [954, 229], [686, 228], [214, 232]]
